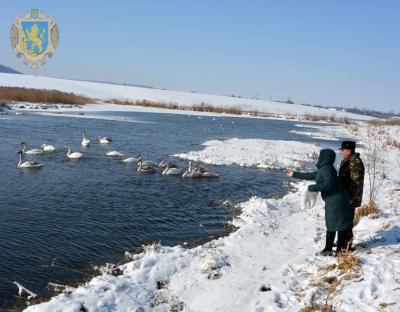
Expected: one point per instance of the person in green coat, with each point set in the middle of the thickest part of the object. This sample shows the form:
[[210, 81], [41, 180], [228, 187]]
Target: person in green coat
[[338, 215]]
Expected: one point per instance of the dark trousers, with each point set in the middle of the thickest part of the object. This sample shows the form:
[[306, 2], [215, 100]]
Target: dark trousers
[[344, 240]]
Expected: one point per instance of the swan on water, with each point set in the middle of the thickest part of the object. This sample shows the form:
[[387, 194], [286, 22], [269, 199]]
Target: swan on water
[[104, 139], [85, 139], [72, 155], [172, 171], [27, 164], [34, 151], [164, 164], [198, 172], [145, 168], [115, 154], [129, 160], [146, 162], [48, 148]]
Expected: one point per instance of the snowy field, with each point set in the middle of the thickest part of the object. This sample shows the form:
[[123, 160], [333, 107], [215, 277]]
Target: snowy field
[[269, 263], [103, 91]]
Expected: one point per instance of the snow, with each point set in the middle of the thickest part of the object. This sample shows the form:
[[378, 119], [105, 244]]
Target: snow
[[268, 154], [269, 263], [104, 91], [315, 135]]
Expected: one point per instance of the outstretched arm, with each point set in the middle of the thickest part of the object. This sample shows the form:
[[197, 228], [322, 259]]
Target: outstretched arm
[[302, 175]]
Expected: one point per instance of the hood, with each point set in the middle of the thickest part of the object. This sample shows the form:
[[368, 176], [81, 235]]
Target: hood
[[326, 157]]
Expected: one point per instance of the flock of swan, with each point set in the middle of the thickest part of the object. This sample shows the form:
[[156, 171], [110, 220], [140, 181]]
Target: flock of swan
[[167, 168]]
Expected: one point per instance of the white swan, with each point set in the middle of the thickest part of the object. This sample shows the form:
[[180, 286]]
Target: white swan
[[48, 148], [129, 160], [145, 168], [85, 139], [34, 151], [171, 171], [72, 155], [27, 164], [104, 139], [115, 154]]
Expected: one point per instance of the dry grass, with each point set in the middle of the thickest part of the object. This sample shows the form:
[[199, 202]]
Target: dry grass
[[392, 142], [198, 107], [370, 210], [317, 308], [333, 282], [14, 94], [385, 122], [209, 108], [384, 305], [348, 263], [332, 118], [203, 107]]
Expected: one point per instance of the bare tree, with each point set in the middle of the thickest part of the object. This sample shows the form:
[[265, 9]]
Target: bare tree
[[375, 153]]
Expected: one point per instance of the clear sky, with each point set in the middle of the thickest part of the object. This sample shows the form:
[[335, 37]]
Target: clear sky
[[344, 53]]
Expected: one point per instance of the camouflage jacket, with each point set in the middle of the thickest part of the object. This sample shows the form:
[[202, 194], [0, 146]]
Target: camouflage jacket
[[351, 174]]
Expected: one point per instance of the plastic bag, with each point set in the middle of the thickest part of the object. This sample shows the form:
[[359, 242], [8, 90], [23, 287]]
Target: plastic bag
[[309, 199]]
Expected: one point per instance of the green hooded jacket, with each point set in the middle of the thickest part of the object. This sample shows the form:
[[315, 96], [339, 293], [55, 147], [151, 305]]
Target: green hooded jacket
[[338, 215]]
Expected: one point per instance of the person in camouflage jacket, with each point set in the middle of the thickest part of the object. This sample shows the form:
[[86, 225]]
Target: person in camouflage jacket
[[351, 173]]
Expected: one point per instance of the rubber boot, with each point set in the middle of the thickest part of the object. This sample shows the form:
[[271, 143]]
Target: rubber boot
[[344, 240], [330, 238]]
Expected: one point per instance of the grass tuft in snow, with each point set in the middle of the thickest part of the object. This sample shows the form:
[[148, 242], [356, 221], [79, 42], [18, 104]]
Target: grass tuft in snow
[[370, 210], [348, 264]]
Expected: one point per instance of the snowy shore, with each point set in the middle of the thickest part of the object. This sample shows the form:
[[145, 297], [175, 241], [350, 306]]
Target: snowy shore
[[269, 262], [106, 91]]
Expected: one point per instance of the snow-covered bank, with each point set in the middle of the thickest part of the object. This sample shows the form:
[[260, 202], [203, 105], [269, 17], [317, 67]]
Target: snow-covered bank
[[268, 154], [269, 263], [105, 91]]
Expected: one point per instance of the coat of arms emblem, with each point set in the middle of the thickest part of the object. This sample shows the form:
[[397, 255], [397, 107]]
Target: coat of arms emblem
[[34, 36]]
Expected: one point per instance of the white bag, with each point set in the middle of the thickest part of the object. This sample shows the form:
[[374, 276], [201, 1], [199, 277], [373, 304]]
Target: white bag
[[309, 199]]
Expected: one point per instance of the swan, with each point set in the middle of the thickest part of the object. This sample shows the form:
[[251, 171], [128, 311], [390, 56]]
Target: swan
[[146, 162], [115, 154], [48, 148], [129, 160], [104, 139], [27, 164], [163, 164], [195, 167], [34, 151], [85, 139], [198, 172], [145, 168], [171, 171], [74, 155]]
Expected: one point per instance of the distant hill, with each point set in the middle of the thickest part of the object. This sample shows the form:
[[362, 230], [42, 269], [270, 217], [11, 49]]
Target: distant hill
[[8, 70], [118, 83]]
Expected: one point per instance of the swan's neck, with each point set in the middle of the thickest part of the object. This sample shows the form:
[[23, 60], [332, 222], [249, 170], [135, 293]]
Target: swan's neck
[[68, 151], [20, 160], [23, 148], [140, 165]]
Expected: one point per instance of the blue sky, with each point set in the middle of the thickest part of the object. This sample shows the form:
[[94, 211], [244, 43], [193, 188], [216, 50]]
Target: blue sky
[[344, 53]]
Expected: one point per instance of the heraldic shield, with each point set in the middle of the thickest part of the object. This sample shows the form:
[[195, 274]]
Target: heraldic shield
[[34, 36]]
